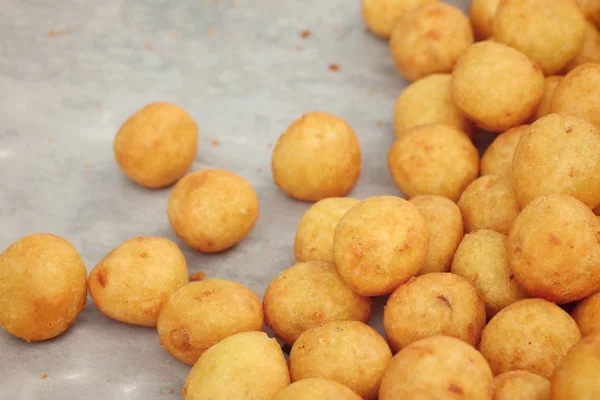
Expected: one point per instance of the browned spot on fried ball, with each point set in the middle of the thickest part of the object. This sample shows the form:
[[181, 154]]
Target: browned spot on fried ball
[[102, 278], [180, 339], [455, 389]]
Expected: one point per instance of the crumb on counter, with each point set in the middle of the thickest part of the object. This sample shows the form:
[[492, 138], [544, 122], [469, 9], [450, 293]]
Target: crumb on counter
[[305, 34], [198, 276], [215, 142], [212, 31], [379, 123], [44, 376], [334, 67], [172, 391], [52, 33], [173, 37]]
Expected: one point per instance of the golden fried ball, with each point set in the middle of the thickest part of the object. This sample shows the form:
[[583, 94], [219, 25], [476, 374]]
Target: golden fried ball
[[433, 159], [42, 287], [445, 226], [558, 154], [429, 39], [587, 314], [577, 376], [590, 51], [428, 101], [481, 259], [379, 244], [316, 388], [498, 157], [348, 352], [530, 334], [212, 210], [247, 365], [314, 236], [591, 10], [482, 14], [317, 157], [203, 313], [579, 94], [496, 86], [550, 85], [521, 385], [434, 304], [133, 282], [381, 15], [156, 145], [437, 367], [310, 294]]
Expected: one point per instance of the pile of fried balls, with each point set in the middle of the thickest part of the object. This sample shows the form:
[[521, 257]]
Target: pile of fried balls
[[491, 264]]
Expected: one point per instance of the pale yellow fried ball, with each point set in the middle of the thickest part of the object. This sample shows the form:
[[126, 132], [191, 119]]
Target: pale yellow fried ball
[[550, 85], [530, 334], [482, 14], [558, 154], [429, 39], [481, 259], [379, 244], [579, 94], [317, 388], [521, 385], [590, 51], [202, 313], [42, 287], [317, 157], [310, 294], [381, 15], [434, 304], [212, 210], [247, 365], [428, 101], [498, 157], [591, 10], [433, 159], [156, 145], [438, 367], [496, 86], [133, 282], [348, 352], [314, 236], [587, 314], [445, 226]]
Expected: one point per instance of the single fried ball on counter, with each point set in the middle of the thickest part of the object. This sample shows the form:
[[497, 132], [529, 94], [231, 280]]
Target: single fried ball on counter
[[212, 210], [445, 226], [521, 385], [156, 145], [247, 365], [42, 287], [314, 235], [482, 13], [579, 94], [558, 154], [437, 367], [433, 159], [591, 10], [496, 86], [550, 85], [577, 377], [428, 101], [132, 283], [530, 334], [590, 51], [380, 16], [482, 260], [379, 244], [310, 294], [587, 314], [316, 388], [202, 313], [429, 39], [318, 156], [348, 352], [434, 304], [498, 157]]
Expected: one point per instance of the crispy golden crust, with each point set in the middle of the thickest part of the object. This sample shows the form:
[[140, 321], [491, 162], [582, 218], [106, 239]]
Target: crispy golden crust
[[550, 85], [576, 377], [380, 16], [482, 13], [316, 388], [590, 51], [521, 385], [498, 157], [587, 314], [579, 94]]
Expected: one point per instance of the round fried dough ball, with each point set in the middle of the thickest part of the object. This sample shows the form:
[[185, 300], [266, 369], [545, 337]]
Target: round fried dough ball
[[438, 304], [550, 85], [316, 388], [521, 385], [481, 259], [590, 51], [247, 365], [428, 101], [42, 287], [381, 15], [156, 145], [437, 367], [489, 202], [498, 157], [310, 294], [203, 313], [587, 314], [314, 236], [482, 14], [212, 210], [579, 94], [530, 334], [554, 251], [380, 244], [558, 154], [429, 39], [445, 226], [433, 159], [317, 157], [348, 352], [591, 10], [496, 86], [133, 282]]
